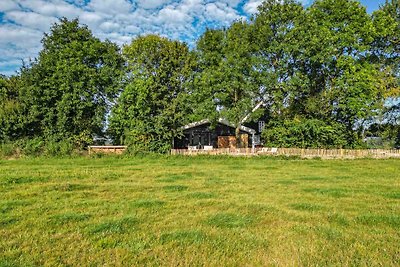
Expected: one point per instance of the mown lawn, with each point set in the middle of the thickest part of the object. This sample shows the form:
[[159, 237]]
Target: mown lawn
[[199, 211]]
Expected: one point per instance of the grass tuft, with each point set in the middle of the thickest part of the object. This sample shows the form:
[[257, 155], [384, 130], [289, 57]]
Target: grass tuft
[[175, 188], [306, 207], [201, 195], [230, 220], [331, 192], [60, 219], [183, 237], [378, 219], [71, 187], [7, 221], [24, 180], [394, 195], [338, 219], [147, 203], [119, 226], [170, 178]]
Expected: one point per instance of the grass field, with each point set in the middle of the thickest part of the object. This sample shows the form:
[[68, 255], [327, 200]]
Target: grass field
[[199, 211]]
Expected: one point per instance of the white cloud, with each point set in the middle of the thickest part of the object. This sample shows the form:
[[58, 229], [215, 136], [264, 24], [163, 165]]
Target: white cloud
[[111, 6], [8, 5], [18, 36], [55, 8], [24, 21], [152, 4], [109, 26], [251, 6], [30, 19], [231, 3], [171, 15], [221, 12]]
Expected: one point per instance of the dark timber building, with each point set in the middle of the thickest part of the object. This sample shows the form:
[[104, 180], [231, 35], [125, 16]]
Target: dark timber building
[[204, 135]]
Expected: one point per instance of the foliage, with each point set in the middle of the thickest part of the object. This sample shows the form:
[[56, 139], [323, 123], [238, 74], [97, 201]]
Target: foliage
[[277, 54], [153, 106], [227, 81], [342, 84], [304, 133], [66, 91], [12, 124], [326, 71]]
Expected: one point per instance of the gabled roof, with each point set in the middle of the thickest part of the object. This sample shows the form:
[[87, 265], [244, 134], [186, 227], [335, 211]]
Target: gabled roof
[[222, 121]]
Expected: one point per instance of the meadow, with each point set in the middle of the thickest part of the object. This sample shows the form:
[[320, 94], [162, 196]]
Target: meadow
[[199, 211]]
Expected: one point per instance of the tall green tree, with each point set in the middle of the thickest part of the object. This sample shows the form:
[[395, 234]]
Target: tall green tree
[[341, 84], [227, 81], [67, 90], [153, 104], [277, 53], [386, 48]]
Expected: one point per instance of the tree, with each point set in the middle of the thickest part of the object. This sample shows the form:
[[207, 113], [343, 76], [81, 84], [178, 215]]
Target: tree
[[153, 104], [67, 90], [340, 83], [227, 81], [277, 51], [387, 54]]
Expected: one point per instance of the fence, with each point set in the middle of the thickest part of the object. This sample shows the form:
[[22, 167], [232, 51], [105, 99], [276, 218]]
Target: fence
[[304, 153]]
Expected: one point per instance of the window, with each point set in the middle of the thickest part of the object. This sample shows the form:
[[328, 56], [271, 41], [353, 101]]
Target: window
[[261, 125]]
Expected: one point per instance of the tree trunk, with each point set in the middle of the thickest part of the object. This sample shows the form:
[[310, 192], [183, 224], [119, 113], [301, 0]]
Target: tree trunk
[[238, 139]]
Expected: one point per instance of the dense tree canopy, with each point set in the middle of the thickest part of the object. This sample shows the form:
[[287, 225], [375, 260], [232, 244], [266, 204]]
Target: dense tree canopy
[[66, 91], [153, 104], [319, 76], [227, 81]]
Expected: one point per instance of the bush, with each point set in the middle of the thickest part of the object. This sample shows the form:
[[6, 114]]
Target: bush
[[37, 147], [58, 148], [305, 133], [32, 147], [7, 150], [143, 143]]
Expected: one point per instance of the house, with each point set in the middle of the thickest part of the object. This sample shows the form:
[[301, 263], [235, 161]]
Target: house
[[259, 127], [204, 135]]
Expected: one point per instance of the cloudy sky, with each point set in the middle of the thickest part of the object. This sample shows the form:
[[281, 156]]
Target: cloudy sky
[[23, 22]]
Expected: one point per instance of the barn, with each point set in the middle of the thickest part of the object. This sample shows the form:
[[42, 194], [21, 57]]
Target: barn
[[205, 135]]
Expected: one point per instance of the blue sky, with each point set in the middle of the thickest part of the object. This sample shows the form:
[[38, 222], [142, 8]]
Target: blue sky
[[23, 22]]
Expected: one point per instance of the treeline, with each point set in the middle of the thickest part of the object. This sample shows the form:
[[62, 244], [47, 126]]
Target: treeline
[[319, 76]]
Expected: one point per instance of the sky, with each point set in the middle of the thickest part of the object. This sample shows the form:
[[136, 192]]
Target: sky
[[23, 22]]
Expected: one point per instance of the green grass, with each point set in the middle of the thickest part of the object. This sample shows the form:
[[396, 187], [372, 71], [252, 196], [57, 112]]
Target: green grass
[[199, 211]]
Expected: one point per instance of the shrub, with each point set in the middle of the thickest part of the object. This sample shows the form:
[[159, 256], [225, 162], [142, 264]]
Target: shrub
[[32, 147], [305, 133], [7, 150], [58, 148]]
